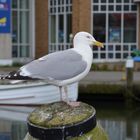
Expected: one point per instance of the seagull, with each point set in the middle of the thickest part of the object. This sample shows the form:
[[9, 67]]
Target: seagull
[[61, 68]]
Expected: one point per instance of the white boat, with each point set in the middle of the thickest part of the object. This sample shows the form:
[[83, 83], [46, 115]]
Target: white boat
[[34, 93], [16, 113]]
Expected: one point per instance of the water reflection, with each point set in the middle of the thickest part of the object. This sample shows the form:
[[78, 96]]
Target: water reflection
[[12, 130], [119, 122], [117, 130]]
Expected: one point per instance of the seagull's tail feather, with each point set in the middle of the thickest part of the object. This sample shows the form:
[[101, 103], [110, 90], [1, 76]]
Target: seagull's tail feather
[[15, 75]]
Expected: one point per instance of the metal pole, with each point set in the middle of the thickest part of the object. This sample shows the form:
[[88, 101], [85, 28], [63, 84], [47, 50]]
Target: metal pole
[[129, 81], [129, 73]]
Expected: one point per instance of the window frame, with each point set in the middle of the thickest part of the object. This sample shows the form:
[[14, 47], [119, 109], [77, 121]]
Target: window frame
[[57, 8], [107, 43], [31, 31]]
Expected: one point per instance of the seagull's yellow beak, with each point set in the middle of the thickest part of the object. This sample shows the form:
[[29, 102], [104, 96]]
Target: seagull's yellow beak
[[98, 44]]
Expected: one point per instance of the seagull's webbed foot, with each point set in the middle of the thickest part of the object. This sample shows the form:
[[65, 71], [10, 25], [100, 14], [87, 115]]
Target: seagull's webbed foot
[[66, 100], [73, 103]]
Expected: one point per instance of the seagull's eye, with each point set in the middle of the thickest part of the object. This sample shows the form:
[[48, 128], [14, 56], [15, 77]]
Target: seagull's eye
[[88, 37]]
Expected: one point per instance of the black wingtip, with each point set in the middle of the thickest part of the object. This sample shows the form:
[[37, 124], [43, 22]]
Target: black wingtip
[[15, 75], [2, 77]]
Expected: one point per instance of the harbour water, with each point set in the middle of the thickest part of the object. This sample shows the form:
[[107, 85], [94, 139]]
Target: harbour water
[[120, 122]]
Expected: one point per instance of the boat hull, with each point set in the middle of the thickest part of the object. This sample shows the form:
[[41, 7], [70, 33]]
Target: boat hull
[[34, 93]]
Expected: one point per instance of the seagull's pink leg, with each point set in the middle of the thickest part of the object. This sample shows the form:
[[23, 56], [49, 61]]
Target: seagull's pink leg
[[61, 96], [71, 103], [66, 94]]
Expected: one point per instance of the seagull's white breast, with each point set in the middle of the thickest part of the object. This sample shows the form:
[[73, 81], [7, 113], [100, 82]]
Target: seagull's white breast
[[87, 56]]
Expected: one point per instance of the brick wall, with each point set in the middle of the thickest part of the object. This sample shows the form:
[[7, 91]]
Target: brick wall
[[81, 16], [41, 28], [81, 21], [139, 26]]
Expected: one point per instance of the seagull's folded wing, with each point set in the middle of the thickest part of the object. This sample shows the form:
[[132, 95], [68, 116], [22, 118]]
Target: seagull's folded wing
[[60, 65]]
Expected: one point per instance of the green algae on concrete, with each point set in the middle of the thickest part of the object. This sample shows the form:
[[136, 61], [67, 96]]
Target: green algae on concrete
[[97, 133], [60, 114]]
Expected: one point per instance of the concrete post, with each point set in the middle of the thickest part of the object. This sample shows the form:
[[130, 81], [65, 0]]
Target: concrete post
[[60, 121]]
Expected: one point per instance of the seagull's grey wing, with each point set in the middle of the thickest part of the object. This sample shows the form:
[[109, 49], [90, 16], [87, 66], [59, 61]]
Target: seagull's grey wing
[[58, 66]]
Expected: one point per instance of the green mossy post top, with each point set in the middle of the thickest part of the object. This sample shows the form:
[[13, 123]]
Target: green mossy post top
[[60, 114], [63, 122]]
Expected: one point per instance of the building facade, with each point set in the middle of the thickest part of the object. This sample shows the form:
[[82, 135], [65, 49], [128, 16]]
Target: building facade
[[41, 27]]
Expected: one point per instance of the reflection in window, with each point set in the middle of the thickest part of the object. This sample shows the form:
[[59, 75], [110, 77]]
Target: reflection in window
[[111, 7], [126, 7], [118, 7], [134, 7], [95, 55], [103, 7], [126, 1], [114, 27], [61, 29], [69, 28], [125, 48], [99, 26], [111, 1], [103, 1], [14, 27], [14, 51], [24, 27], [118, 47], [95, 7], [118, 55], [53, 28], [130, 27], [125, 55], [110, 47], [133, 47], [103, 55], [24, 4], [24, 51], [14, 3], [118, 1], [110, 55], [95, 1]]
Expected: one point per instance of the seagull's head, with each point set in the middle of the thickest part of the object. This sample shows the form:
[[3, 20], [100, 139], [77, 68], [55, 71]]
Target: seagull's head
[[86, 38]]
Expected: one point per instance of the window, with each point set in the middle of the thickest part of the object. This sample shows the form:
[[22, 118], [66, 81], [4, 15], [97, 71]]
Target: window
[[60, 25], [100, 27], [129, 28], [114, 23], [53, 29], [21, 30], [114, 28]]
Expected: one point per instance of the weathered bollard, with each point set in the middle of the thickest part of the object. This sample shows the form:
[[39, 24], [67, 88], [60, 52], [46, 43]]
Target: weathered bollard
[[59, 121], [129, 81]]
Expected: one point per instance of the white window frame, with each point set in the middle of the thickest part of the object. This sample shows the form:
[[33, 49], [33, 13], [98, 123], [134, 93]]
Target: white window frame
[[57, 46], [106, 43], [31, 32]]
